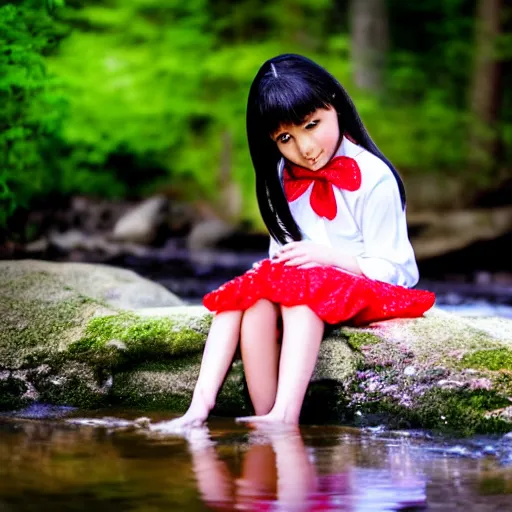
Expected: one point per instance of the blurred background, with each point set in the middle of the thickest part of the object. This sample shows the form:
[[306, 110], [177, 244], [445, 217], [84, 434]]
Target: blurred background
[[122, 128]]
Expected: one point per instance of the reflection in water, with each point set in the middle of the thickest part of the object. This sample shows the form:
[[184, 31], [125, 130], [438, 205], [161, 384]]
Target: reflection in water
[[115, 464], [279, 473]]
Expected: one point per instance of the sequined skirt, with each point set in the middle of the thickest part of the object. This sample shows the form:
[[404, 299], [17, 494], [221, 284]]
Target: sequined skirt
[[334, 295]]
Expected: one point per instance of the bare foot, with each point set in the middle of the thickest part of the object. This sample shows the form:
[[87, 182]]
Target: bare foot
[[191, 419], [199, 438], [271, 418]]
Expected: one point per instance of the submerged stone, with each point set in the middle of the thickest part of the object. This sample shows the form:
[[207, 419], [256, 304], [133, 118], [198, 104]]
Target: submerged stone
[[63, 344]]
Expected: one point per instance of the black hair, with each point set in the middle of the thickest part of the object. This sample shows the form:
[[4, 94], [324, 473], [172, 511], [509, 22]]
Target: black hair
[[285, 90]]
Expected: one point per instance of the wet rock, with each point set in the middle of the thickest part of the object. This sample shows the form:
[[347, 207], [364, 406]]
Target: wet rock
[[140, 224], [450, 384], [66, 343], [409, 371]]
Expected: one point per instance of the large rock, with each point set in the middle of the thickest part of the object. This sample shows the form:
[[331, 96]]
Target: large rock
[[113, 286], [438, 233], [64, 346]]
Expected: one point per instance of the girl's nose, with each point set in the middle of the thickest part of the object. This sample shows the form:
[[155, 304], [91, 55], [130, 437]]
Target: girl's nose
[[306, 148]]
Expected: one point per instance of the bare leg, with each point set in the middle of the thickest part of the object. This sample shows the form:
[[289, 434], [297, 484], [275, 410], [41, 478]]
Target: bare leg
[[303, 332], [214, 480], [259, 477], [296, 474], [217, 357], [260, 354]]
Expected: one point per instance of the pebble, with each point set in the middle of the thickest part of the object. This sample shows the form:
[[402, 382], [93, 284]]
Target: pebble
[[410, 371]]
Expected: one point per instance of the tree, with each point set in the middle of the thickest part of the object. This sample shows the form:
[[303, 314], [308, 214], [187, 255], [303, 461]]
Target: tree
[[486, 92], [370, 42]]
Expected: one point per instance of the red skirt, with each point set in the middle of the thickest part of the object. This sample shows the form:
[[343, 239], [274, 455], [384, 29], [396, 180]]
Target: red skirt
[[334, 295]]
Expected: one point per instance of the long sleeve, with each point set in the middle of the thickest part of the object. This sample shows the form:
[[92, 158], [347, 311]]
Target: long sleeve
[[388, 255]]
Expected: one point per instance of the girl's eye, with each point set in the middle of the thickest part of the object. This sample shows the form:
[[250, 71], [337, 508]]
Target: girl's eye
[[311, 125], [283, 139]]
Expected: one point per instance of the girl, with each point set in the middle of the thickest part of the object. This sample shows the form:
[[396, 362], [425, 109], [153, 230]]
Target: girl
[[339, 250]]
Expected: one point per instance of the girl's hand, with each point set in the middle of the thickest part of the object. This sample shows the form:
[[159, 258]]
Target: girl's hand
[[305, 254]]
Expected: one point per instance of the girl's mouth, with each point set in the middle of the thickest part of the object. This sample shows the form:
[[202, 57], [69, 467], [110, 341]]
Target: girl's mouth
[[315, 160]]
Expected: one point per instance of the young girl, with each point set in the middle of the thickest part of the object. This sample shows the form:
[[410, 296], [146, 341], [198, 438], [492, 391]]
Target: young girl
[[339, 249]]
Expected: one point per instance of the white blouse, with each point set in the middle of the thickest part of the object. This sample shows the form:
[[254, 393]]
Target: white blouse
[[370, 223]]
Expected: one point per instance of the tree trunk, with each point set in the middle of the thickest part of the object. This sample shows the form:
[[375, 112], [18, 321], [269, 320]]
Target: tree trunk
[[486, 93], [370, 42]]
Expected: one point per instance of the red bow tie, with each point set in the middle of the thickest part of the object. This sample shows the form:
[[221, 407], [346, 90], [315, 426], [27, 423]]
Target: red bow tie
[[341, 171]]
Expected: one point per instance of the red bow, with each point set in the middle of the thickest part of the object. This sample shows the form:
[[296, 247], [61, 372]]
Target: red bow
[[341, 171]]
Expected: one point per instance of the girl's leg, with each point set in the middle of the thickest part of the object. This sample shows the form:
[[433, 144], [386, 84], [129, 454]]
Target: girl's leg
[[259, 477], [260, 353], [214, 480], [302, 333], [217, 357], [296, 475]]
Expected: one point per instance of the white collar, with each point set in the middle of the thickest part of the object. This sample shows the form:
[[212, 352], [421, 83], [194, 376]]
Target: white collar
[[348, 148]]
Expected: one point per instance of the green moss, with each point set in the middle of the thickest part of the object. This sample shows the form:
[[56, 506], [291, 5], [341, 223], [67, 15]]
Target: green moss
[[143, 338], [494, 359], [357, 338], [76, 392], [37, 329], [438, 335], [163, 384], [171, 402], [454, 412], [167, 385]]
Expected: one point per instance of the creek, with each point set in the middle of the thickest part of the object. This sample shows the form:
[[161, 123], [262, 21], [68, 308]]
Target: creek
[[71, 462]]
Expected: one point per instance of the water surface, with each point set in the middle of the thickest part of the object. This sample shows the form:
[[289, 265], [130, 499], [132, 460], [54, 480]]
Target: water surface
[[96, 463]]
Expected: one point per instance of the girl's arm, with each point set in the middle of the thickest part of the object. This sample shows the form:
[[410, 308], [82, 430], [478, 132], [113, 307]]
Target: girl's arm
[[306, 254], [388, 255]]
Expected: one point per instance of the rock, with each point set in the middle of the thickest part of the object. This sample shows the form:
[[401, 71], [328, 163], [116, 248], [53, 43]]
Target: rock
[[436, 233], [208, 233], [409, 371], [63, 345], [110, 286], [140, 224]]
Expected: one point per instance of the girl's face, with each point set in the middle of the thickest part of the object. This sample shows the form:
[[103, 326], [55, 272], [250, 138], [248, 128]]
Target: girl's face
[[312, 143]]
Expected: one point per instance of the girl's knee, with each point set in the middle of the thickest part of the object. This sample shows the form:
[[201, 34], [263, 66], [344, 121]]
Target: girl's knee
[[260, 323], [262, 305], [302, 310], [300, 316]]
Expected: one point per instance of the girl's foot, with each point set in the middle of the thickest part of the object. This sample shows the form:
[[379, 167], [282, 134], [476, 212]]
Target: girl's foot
[[270, 418], [199, 438], [193, 418]]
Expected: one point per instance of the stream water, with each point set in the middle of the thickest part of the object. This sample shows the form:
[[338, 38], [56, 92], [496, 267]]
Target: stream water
[[70, 462]]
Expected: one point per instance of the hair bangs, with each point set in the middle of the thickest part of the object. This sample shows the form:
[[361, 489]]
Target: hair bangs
[[284, 101]]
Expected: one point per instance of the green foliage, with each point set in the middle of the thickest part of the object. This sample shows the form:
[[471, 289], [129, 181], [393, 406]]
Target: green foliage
[[124, 98], [30, 111]]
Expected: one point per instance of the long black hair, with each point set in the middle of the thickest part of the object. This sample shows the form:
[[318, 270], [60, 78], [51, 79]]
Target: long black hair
[[285, 90]]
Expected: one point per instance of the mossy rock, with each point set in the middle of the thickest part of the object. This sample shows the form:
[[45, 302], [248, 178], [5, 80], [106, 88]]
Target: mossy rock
[[61, 345]]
